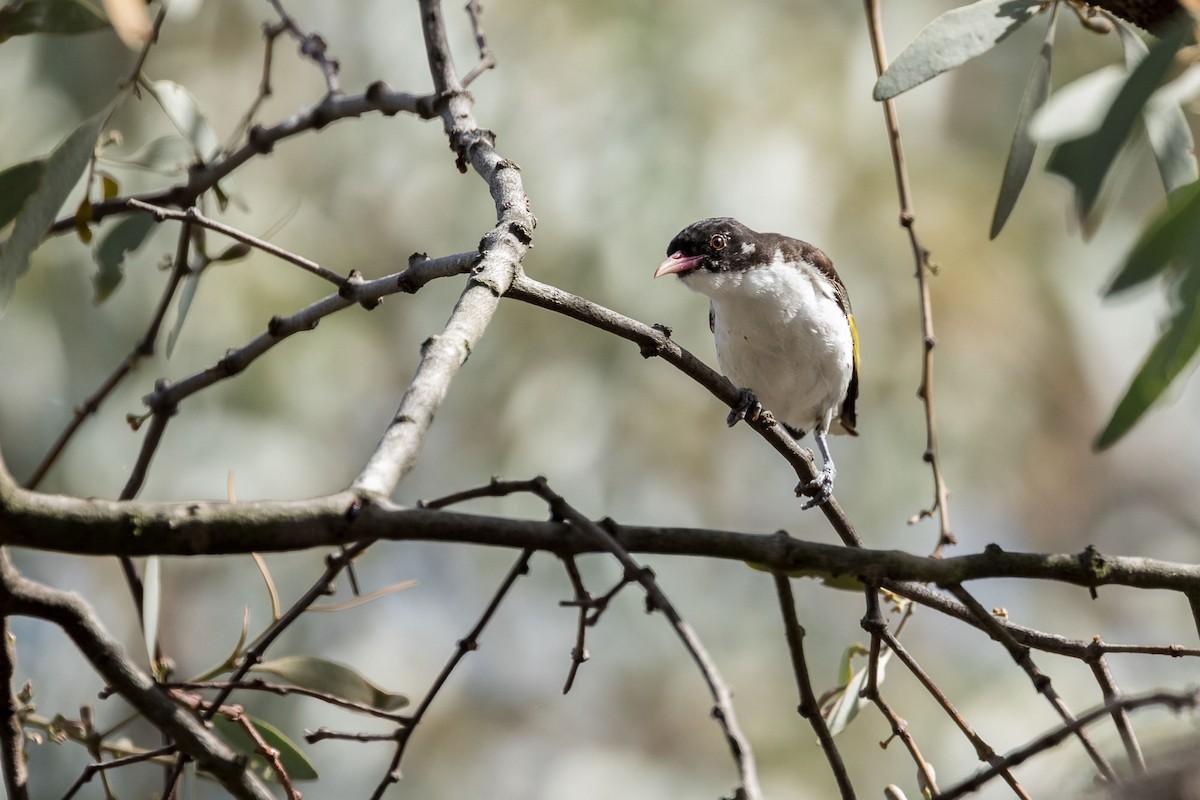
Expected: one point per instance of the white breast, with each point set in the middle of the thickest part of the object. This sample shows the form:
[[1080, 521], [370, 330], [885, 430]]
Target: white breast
[[781, 333]]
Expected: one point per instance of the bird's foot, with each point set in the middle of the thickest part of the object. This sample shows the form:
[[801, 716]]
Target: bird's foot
[[819, 489], [748, 408]]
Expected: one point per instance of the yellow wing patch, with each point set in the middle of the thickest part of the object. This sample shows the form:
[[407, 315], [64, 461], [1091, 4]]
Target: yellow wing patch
[[854, 338]]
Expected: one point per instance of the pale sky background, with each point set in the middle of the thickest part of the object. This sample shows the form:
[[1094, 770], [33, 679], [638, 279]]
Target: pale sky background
[[629, 121]]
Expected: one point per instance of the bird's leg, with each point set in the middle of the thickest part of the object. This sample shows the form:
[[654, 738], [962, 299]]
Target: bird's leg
[[748, 407], [819, 488]]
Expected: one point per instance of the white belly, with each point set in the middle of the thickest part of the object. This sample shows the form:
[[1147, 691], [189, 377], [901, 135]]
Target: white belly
[[781, 334]]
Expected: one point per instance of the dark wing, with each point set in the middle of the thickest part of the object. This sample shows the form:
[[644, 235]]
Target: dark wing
[[794, 249], [712, 319]]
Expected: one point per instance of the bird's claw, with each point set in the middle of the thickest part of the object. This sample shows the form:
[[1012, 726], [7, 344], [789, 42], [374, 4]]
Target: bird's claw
[[748, 408], [819, 489]]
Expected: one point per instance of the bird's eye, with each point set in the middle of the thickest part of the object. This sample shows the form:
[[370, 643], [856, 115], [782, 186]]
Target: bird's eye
[[718, 241]]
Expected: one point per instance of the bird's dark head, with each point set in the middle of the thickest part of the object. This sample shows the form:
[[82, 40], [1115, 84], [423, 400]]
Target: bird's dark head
[[717, 244]]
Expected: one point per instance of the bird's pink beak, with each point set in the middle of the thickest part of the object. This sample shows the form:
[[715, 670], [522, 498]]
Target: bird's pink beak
[[677, 262]]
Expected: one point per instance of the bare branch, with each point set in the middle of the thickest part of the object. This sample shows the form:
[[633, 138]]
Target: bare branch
[[502, 250], [1176, 701], [908, 221], [809, 707], [12, 737], [18, 595], [465, 645]]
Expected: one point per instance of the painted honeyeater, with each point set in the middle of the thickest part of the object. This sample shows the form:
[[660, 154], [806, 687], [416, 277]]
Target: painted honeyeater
[[784, 329]]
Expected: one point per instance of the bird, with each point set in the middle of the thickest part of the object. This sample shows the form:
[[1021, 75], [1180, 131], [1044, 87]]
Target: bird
[[784, 331]]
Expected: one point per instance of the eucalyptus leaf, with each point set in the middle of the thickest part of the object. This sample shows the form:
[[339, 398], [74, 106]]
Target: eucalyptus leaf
[[851, 702], [122, 239], [151, 603], [1078, 108], [61, 17], [167, 154], [1024, 147], [186, 296], [1172, 236], [60, 173], [1173, 351], [184, 112], [951, 40], [1086, 161], [291, 757], [330, 677], [17, 183], [1166, 126]]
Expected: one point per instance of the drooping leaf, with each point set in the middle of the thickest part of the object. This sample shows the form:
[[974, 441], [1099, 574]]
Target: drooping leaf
[[60, 173], [122, 239], [62, 17], [109, 187], [16, 184], [151, 603], [849, 703], [1173, 235], [167, 154], [1023, 148], [186, 116], [1086, 161], [951, 40], [1166, 126], [1168, 357], [1078, 108], [183, 111], [181, 311], [330, 677], [291, 757]]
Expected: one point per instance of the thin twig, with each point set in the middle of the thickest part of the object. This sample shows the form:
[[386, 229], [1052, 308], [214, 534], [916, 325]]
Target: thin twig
[[142, 349], [465, 645], [486, 59], [284, 689], [1111, 693], [809, 707], [193, 215], [1040, 680], [584, 600], [1176, 701], [931, 456], [312, 47], [102, 767], [983, 751], [270, 33]]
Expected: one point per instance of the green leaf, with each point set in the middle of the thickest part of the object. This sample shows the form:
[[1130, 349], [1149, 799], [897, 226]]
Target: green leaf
[[330, 677], [16, 184], [951, 40], [183, 111], [63, 17], [1166, 360], [291, 757], [1078, 108], [849, 703], [1166, 126], [122, 239], [181, 311], [167, 154], [1023, 148], [151, 603], [1085, 161], [60, 173], [1174, 235]]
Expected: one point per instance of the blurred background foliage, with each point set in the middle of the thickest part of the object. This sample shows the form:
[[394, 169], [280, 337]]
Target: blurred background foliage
[[630, 120]]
